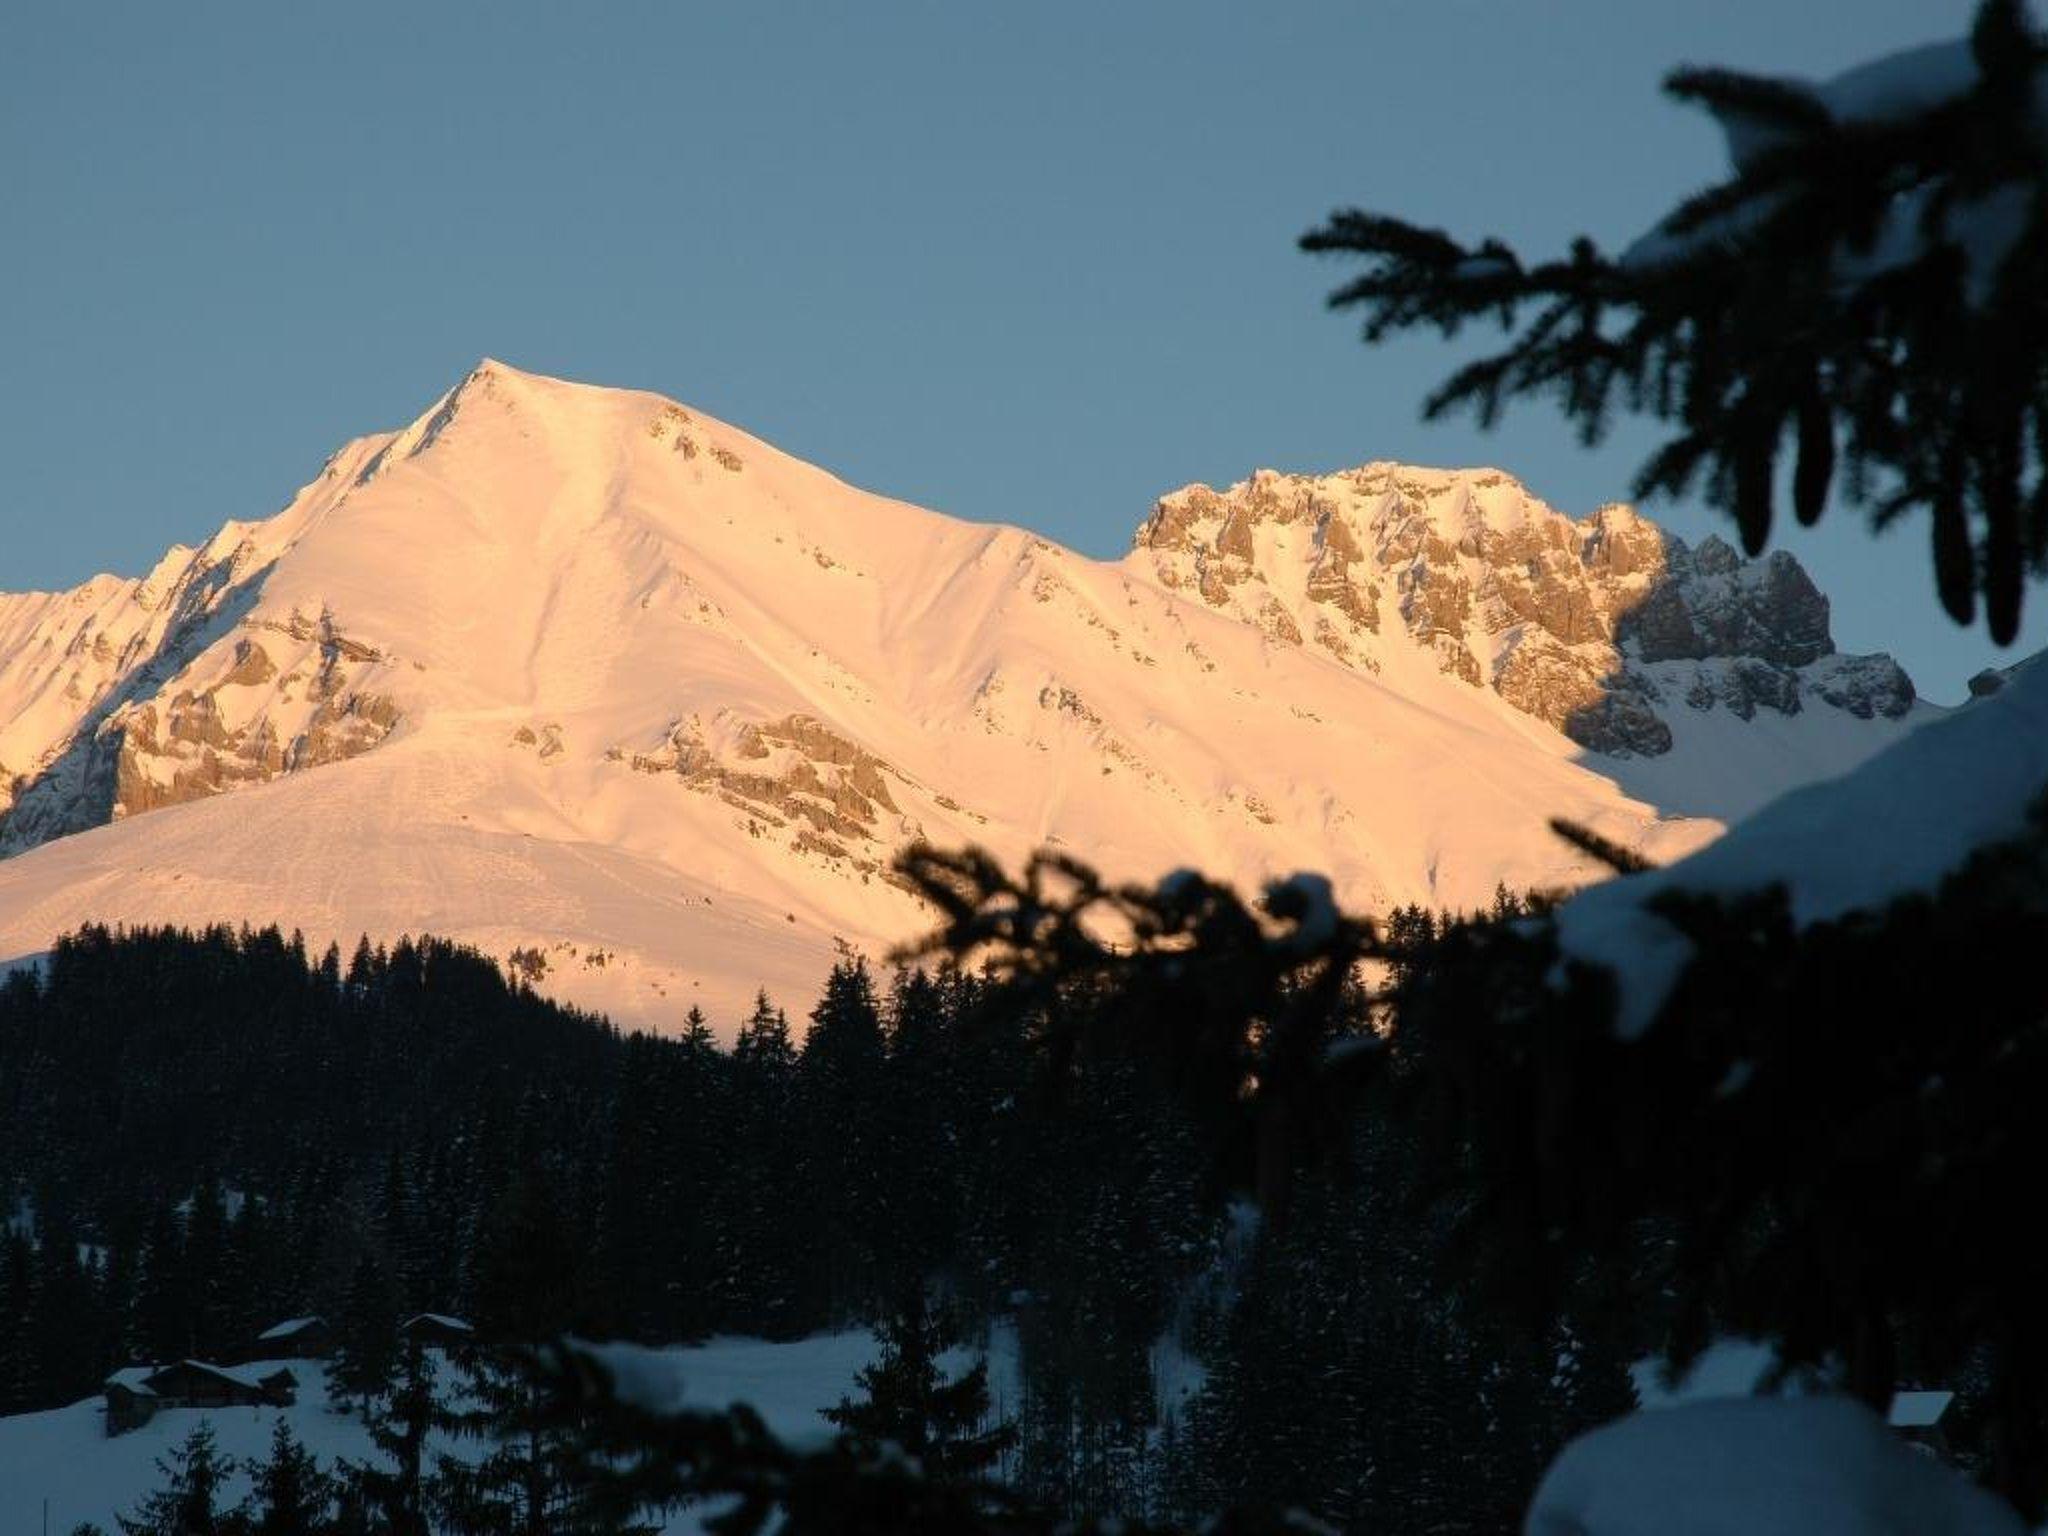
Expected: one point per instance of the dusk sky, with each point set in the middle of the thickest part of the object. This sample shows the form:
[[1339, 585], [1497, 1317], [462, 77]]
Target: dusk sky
[[1030, 263]]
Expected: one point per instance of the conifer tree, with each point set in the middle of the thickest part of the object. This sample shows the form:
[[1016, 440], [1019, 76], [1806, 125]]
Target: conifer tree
[[396, 1493], [188, 1502], [293, 1495], [366, 1336], [702, 1134], [526, 1294], [399, 1230], [207, 1278], [19, 1375], [1865, 290], [922, 1140], [62, 1320], [909, 1404], [839, 1080], [159, 1316], [761, 1269]]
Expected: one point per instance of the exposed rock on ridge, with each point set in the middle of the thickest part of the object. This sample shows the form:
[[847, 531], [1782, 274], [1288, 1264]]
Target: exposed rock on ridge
[[1600, 625], [171, 689]]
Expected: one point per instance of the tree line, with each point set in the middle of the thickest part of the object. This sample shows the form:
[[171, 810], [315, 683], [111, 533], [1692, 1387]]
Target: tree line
[[205, 1133]]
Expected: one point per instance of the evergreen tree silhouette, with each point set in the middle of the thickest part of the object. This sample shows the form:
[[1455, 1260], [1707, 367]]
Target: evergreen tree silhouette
[[910, 1405], [366, 1338], [396, 1492], [1850, 291], [839, 1086], [188, 1502], [293, 1495]]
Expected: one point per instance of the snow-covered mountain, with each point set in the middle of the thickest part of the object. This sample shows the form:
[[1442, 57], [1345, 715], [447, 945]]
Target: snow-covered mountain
[[581, 673]]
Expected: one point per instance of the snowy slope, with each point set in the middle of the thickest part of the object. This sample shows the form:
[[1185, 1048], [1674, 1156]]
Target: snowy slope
[[1703, 682], [1802, 1466], [65, 1455], [582, 672]]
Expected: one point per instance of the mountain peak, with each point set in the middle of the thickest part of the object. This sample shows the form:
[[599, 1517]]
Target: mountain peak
[[491, 388]]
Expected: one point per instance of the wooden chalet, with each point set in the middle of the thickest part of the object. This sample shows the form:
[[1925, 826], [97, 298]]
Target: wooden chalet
[[136, 1395], [296, 1338], [436, 1330]]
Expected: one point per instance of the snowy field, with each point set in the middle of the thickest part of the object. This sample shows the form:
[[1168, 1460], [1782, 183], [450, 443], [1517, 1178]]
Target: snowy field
[[64, 1456]]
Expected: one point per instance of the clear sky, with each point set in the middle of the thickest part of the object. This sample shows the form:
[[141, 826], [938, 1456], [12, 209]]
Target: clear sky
[[1028, 262]]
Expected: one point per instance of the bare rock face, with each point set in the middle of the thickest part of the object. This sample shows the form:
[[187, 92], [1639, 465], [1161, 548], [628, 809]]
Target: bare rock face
[[792, 778], [180, 686], [1340, 578], [1865, 686], [1597, 625], [1713, 604], [1623, 723]]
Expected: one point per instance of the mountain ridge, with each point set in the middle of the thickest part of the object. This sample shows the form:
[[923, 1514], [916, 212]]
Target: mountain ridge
[[587, 673]]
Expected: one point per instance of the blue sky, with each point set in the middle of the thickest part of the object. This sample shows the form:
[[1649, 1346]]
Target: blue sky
[[1022, 262]]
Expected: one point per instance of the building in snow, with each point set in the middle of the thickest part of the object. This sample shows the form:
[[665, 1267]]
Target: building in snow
[[137, 1394], [296, 1338], [436, 1330], [1918, 1415]]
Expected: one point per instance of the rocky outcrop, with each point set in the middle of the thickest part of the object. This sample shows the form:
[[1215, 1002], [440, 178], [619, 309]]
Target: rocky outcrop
[[1864, 685], [793, 776], [1710, 603], [1599, 626], [178, 687]]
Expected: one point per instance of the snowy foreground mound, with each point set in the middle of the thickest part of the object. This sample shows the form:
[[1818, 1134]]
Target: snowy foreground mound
[[1805, 1466], [582, 674]]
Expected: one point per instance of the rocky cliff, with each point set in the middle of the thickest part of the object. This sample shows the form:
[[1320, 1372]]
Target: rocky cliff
[[1600, 626], [129, 696]]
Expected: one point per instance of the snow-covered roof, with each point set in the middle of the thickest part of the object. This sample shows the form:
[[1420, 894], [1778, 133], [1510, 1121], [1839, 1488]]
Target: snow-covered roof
[[291, 1326], [133, 1378], [1898, 824], [439, 1319], [1919, 1410], [240, 1377]]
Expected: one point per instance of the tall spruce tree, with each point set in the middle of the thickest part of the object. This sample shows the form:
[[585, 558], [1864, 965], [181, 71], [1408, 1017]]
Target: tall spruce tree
[[209, 1325], [63, 1325], [840, 1108], [394, 1495], [188, 1502], [910, 1405], [20, 1376], [762, 1269], [922, 1135], [292, 1494], [366, 1335], [522, 1480], [158, 1326]]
